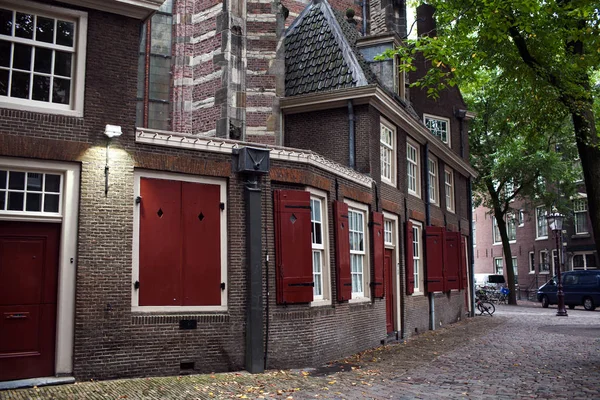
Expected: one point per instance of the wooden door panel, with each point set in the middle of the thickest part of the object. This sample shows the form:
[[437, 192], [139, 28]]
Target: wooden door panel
[[21, 271], [389, 290]]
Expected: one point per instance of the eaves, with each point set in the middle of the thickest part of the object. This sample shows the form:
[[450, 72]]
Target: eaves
[[139, 9]]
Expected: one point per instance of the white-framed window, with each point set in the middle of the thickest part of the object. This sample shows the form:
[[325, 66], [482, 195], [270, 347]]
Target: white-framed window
[[521, 218], [432, 169], [497, 238], [30, 192], [417, 256], [412, 169], [511, 227], [580, 216], [515, 270], [359, 260], [541, 227], [531, 262], [584, 261], [498, 266], [399, 80], [544, 262], [320, 246], [555, 261], [387, 147], [388, 230], [42, 58], [165, 201], [438, 126], [474, 228], [449, 184]]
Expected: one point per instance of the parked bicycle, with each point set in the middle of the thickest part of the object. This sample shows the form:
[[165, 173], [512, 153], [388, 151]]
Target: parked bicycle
[[485, 307]]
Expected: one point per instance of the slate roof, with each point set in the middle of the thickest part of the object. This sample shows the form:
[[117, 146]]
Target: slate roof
[[320, 53]]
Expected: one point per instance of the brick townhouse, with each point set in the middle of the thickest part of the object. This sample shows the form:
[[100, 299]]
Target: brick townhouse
[[220, 186]]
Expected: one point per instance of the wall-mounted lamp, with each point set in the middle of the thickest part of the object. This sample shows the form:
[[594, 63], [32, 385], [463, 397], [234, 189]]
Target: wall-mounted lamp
[[111, 131]]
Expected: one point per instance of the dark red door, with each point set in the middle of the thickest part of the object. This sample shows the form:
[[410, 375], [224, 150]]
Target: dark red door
[[28, 283], [389, 290]]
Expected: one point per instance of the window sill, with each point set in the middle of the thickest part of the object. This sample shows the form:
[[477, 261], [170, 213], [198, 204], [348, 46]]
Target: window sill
[[417, 195], [359, 300], [40, 109], [531, 272], [450, 211], [541, 238], [388, 182], [416, 293], [320, 303], [544, 272], [497, 244], [177, 309], [581, 236]]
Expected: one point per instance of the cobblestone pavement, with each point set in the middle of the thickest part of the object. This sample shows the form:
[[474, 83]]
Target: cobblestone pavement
[[520, 353]]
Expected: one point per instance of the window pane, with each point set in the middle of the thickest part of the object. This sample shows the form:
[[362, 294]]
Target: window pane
[[62, 63], [41, 88], [51, 203], [34, 181], [24, 26], [4, 53], [44, 30], [2, 199], [160, 78], [52, 183], [61, 92], [158, 116], [161, 34], [3, 179], [34, 202], [20, 85], [16, 180], [65, 33], [43, 60], [15, 201], [3, 82], [22, 57], [6, 22], [141, 76]]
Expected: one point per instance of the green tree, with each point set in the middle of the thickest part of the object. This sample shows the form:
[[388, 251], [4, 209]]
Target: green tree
[[552, 45], [518, 153]]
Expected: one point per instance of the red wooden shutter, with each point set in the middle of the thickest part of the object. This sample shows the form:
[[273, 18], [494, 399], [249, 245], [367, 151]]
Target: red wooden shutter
[[463, 264], [293, 246], [160, 243], [342, 251], [434, 243], [410, 266], [451, 265], [201, 219], [378, 252]]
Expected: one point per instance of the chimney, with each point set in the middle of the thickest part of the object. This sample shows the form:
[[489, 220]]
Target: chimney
[[426, 21]]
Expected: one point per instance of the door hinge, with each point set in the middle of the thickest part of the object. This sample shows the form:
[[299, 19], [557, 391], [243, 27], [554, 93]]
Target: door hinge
[[222, 206], [222, 285], [138, 199], [136, 285]]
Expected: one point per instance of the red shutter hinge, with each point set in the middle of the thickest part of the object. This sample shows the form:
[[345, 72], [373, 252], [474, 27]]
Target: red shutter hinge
[[222, 285], [222, 206]]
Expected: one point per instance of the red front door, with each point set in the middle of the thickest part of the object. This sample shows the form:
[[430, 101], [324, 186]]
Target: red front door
[[28, 284], [389, 290]]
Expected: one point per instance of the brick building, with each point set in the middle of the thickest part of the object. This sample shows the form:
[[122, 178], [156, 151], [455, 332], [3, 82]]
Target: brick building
[[209, 190]]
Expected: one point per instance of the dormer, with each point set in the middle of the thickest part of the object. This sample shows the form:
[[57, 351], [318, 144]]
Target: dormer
[[387, 71]]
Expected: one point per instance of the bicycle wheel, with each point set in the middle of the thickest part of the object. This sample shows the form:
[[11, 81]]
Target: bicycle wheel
[[488, 307]]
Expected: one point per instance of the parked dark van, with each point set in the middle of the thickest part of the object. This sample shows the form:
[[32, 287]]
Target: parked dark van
[[581, 288]]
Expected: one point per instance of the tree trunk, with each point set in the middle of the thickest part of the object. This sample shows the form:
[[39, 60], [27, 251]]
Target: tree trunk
[[508, 264]]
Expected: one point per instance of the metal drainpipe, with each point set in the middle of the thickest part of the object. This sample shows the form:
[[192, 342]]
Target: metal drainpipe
[[470, 245], [364, 17], [427, 223], [351, 135]]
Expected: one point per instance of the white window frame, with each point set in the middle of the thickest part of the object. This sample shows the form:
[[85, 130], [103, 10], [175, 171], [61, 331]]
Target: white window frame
[[46, 215], [432, 173], [554, 255], [413, 177], [521, 218], [541, 258], [532, 262], [516, 269], [389, 237], [67, 260], [511, 221], [363, 209], [496, 259], [427, 117], [474, 229], [449, 189], [580, 212], [80, 18], [537, 223], [418, 269], [325, 298], [388, 154], [135, 270], [496, 232], [583, 254]]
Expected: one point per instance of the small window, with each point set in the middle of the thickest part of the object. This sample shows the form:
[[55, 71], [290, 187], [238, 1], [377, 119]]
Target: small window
[[439, 127], [474, 228], [433, 180], [387, 146], [498, 266], [541, 223], [521, 218], [584, 261], [544, 263], [531, 262], [42, 59], [497, 237], [388, 229], [359, 260], [412, 160], [30, 192], [417, 259], [449, 183], [511, 227], [515, 270], [580, 216]]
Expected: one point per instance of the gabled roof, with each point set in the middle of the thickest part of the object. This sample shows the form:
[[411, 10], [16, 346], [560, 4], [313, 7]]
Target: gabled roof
[[320, 53]]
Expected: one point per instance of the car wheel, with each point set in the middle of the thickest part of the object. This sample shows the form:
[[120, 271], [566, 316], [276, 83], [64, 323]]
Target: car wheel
[[545, 301], [571, 306], [588, 304]]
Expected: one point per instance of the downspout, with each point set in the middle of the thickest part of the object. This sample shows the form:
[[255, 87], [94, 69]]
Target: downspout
[[364, 17], [461, 115], [351, 136], [470, 245], [427, 223]]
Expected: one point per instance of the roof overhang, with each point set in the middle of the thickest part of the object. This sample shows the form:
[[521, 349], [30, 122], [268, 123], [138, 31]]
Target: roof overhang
[[388, 107], [139, 9]]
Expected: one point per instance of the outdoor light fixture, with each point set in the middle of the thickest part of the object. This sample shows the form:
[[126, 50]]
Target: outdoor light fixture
[[555, 222], [111, 131]]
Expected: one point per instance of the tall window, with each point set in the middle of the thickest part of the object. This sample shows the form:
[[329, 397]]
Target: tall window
[[541, 223], [449, 183], [388, 229], [154, 70], [433, 181], [497, 238], [531, 262], [511, 227], [580, 216], [474, 228], [417, 263], [412, 169], [318, 247], [544, 264], [387, 146], [515, 270], [42, 59], [498, 266], [356, 229], [521, 218], [438, 126]]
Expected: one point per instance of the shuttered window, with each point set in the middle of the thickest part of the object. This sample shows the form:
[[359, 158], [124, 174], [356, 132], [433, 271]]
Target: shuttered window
[[452, 261], [180, 244], [357, 251], [377, 237], [435, 244], [342, 251]]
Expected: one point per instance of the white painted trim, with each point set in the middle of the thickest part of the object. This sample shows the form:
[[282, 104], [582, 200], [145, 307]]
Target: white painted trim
[[80, 47], [415, 145], [436, 183], [67, 262], [226, 146], [139, 9], [396, 265], [135, 270], [421, 289], [450, 207], [393, 181], [364, 208], [326, 275], [448, 132]]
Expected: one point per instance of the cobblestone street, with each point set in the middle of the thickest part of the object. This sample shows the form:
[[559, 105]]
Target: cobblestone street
[[520, 352]]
